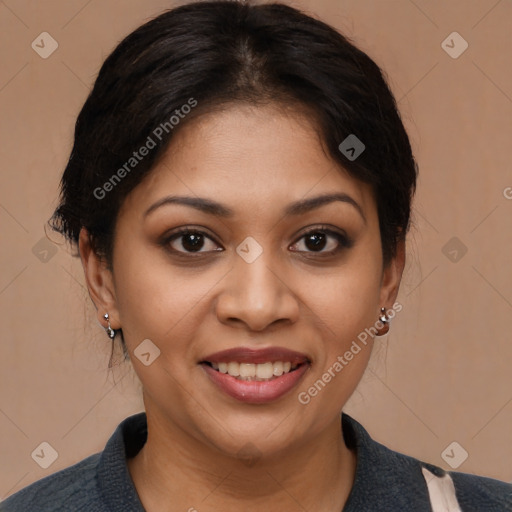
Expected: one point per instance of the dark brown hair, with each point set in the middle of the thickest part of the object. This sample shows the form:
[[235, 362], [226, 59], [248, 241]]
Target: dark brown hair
[[202, 55]]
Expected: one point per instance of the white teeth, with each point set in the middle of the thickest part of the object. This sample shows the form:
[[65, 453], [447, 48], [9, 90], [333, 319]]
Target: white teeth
[[264, 371], [234, 369], [278, 368], [247, 370], [251, 371]]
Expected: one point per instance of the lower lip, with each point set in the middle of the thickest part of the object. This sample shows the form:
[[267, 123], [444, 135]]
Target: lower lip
[[256, 392]]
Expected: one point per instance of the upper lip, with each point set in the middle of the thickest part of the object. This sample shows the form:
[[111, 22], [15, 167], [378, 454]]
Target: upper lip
[[256, 356]]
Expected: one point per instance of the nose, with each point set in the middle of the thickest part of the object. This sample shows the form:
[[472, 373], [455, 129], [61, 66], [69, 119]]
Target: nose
[[256, 296]]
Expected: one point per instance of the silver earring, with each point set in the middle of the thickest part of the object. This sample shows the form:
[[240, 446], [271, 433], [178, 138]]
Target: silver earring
[[111, 333], [384, 319]]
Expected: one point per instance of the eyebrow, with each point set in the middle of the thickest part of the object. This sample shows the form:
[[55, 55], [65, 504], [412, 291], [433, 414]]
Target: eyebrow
[[214, 208]]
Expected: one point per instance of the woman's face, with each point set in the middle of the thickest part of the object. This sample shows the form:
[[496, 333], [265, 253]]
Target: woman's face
[[248, 278]]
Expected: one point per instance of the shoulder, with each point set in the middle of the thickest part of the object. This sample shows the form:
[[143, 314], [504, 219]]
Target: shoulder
[[74, 488], [390, 480], [98, 483], [471, 493], [479, 493]]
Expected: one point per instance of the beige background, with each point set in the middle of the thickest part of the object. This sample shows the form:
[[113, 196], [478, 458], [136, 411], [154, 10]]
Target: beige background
[[443, 374]]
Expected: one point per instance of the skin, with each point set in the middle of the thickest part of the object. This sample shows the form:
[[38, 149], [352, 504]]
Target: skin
[[256, 161]]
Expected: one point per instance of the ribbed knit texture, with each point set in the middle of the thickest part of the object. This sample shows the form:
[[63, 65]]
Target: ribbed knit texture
[[385, 481]]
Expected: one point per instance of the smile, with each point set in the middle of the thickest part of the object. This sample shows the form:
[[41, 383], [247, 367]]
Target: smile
[[255, 372], [255, 376]]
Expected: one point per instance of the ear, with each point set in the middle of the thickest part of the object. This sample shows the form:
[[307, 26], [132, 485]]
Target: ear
[[391, 277], [99, 281]]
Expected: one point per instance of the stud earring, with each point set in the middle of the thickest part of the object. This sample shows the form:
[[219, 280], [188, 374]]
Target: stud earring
[[384, 320], [111, 333]]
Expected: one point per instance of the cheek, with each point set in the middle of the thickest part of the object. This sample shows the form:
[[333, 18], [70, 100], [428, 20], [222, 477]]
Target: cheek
[[346, 304], [155, 298], [347, 298]]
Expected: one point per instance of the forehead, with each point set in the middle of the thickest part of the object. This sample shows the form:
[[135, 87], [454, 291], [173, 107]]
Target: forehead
[[253, 158]]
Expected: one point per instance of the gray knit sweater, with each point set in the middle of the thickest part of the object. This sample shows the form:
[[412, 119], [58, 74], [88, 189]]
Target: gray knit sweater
[[385, 480]]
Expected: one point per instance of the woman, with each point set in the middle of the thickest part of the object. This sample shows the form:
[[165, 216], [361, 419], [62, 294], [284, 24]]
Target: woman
[[239, 191]]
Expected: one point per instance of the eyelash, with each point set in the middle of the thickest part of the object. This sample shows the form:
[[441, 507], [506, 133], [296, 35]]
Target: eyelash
[[343, 240]]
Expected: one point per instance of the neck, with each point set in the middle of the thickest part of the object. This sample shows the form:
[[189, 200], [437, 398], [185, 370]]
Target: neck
[[175, 472]]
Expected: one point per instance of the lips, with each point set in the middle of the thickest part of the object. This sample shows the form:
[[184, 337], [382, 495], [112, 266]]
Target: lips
[[256, 356], [256, 390]]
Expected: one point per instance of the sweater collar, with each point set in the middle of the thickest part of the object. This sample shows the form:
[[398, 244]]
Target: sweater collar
[[380, 472]]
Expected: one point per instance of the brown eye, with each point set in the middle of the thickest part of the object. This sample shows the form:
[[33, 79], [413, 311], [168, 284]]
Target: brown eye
[[190, 241], [315, 241], [323, 241]]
